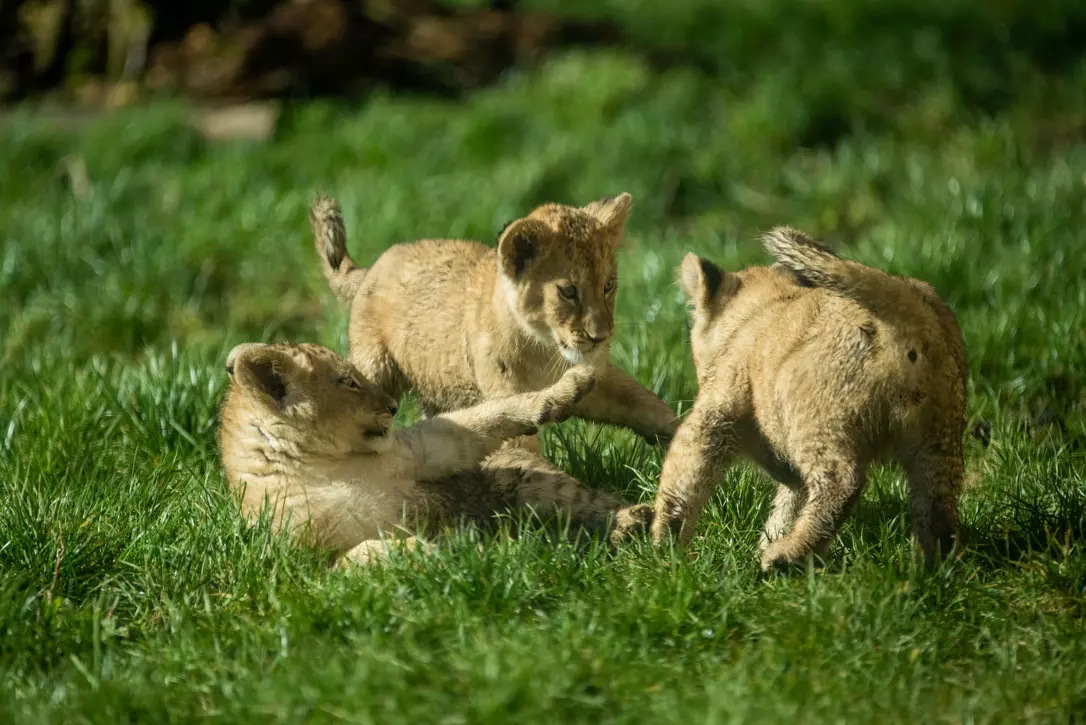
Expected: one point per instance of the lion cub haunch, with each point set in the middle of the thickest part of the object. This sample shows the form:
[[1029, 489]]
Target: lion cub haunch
[[302, 432], [813, 369], [459, 322]]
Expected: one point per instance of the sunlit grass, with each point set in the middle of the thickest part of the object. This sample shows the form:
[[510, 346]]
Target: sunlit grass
[[131, 590]]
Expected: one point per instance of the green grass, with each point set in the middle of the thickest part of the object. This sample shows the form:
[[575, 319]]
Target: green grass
[[131, 590]]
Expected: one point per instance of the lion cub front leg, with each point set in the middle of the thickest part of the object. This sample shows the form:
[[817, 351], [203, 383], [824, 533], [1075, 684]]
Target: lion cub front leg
[[456, 441], [621, 400], [698, 456], [523, 414]]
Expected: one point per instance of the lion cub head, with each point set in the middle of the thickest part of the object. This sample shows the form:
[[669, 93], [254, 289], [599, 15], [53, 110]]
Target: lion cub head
[[306, 398], [708, 290], [559, 272]]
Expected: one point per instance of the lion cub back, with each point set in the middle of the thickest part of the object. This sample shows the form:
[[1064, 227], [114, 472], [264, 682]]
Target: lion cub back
[[408, 318], [822, 343], [813, 369]]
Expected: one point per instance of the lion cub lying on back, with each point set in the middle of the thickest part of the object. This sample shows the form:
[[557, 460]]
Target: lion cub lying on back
[[459, 322], [813, 371], [302, 430]]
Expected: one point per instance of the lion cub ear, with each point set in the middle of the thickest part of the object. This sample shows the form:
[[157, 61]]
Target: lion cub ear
[[702, 281], [262, 371], [611, 211], [520, 243]]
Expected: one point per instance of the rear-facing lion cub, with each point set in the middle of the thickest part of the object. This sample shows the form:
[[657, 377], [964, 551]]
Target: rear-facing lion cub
[[302, 430], [813, 370], [459, 322]]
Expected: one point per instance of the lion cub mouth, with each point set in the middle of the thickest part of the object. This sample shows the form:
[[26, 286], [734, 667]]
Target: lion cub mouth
[[376, 432], [578, 353]]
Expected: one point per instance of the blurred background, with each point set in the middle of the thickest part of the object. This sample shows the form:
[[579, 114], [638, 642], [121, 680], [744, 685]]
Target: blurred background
[[855, 64]]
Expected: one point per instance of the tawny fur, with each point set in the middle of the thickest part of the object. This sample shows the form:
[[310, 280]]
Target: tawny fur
[[813, 369], [303, 433], [459, 322]]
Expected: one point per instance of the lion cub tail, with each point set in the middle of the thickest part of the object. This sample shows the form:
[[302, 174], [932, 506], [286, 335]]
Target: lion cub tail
[[815, 265], [330, 238]]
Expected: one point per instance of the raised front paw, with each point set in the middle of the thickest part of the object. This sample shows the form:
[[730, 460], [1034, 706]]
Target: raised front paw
[[557, 401]]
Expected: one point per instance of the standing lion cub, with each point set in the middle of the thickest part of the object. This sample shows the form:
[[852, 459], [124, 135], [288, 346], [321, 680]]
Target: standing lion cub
[[813, 371], [459, 322], [303, 432]]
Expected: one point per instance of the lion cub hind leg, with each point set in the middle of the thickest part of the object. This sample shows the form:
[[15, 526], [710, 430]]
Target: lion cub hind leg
[[372, 358], [935, 481], [833, 481], [787, 503], [527, 480]]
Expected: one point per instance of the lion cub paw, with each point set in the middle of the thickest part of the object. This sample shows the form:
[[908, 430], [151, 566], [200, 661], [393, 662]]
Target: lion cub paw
[[374, 551], [557, 401], [783, 555], [631, 521]]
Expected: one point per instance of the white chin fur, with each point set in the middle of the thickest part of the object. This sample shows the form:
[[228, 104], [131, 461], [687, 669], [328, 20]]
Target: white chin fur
[[573, 357]]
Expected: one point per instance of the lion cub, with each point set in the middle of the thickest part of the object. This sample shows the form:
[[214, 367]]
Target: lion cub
[[813, 370], [301, 429], [459, 322]]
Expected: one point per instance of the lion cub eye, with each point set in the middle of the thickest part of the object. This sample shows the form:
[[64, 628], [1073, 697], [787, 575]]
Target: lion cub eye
[[350, 383], [568, 291], [609, 287]]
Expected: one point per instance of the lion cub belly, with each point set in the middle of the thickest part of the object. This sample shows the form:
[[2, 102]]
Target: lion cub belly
[[344, 514]]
